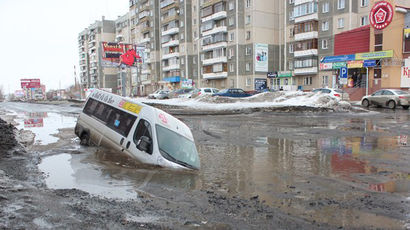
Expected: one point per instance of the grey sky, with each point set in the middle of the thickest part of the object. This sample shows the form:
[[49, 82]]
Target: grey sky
[[39, 38]]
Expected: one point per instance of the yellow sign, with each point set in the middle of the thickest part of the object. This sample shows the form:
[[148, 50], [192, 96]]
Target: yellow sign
[[354, 64], [374, 55], [131, 107], [406, 33]]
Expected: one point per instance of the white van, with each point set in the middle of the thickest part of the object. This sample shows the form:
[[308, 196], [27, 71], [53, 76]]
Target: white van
[[143, 132]]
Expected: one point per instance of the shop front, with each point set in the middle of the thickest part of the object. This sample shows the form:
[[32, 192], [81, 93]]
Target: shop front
[[282, 80]]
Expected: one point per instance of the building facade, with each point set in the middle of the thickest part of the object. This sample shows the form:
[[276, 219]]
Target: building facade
[[312, 27]]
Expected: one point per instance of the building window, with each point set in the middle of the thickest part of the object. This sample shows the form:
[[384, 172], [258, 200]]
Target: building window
[[248, 19], [291, 1], [340, 4], [290, 65], [230, 54], [248, 35], [181, 24], [325, 81], [248, 3], [340, 23], [325, 44], [248, 66], [194, 21], [364, 3], [231, 5], [291, 32], [378, 42], [195, 73], [248, 81], [307, 81], [231, 21], [231, 68], [291, 48], [325, 26], [232, 37], [325, 7], [182, 61], [194, 60], [248, 51], [364, 20]]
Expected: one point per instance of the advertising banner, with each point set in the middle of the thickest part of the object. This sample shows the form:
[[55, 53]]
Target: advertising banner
[[381, 15], [326, 66], [338, 65], [375, 55], [187, 83], [260, 83], [112, 51], [340, 58], [354, 64], [261, 57], [405, 74], [30, 83]]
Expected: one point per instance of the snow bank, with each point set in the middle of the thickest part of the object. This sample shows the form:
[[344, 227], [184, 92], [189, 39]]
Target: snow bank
[[262, 100]]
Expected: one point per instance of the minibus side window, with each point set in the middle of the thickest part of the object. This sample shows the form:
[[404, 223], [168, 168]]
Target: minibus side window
[[143, 129], [120, 121], [90, 106]]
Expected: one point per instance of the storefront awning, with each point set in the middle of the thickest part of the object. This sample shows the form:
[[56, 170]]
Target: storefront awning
[[173, 79]]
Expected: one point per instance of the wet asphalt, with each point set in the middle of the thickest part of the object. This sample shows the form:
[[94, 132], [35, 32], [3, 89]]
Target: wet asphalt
[[349, 169]]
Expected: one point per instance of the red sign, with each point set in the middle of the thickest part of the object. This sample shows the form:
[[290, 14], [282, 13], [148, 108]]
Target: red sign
[[30, 83], [381, 15]]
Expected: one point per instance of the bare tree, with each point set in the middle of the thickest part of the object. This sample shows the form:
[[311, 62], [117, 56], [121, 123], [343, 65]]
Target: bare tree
[[1, 93]]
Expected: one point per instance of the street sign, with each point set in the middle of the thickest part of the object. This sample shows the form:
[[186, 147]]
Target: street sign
[[343, 72]]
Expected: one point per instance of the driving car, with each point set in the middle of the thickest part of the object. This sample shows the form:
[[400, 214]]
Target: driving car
[[204, 91], [233, 92], [159, 94], [390, 98], [333, 92]]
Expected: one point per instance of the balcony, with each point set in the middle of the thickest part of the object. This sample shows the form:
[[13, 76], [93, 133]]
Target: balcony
[[174, 30], [215, 16], [216, 45], [308, 17], [145, 40], [143, 14], [222, 59], [170, 43], [171, 67], [303, 53], [305, 71], [215, 30], [146, 71], [299, 2], [211, 76], [306, 36], [170, 55], [166, 3]]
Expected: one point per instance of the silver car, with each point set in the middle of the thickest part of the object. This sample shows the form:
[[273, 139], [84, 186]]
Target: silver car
[[390, 98], [333, 92]]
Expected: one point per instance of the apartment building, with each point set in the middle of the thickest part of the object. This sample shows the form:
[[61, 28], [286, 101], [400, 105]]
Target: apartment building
[[123, 35], [237, 42], [312, 25], [93, 73]]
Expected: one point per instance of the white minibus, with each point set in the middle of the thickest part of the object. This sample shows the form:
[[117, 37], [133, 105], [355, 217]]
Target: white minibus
[[143, 132]]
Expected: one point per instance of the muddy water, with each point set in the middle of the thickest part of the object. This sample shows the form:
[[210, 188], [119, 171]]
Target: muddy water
[[293, 162]]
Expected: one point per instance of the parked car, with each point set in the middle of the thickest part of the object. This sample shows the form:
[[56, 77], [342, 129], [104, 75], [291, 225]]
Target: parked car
[[181, 93], [234, 92], [333, 92], [159, 94], [388, 98], [204, 91]]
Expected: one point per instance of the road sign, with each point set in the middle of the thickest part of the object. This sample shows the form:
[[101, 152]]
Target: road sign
[[343, 72]]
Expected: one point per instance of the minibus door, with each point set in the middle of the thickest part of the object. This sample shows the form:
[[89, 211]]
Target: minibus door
[[142, 136]]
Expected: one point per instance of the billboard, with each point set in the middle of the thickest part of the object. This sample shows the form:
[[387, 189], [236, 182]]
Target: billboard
[[405, 74], [113, 52], [261, 57], [30, 83]]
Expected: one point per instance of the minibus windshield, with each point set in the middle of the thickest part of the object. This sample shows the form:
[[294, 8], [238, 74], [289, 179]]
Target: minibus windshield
[[177, 148]]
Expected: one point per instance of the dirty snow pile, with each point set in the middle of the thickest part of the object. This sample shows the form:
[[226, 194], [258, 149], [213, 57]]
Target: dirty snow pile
[[262, 100]]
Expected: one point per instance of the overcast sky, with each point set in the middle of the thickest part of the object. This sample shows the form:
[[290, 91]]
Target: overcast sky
[[39, 38]]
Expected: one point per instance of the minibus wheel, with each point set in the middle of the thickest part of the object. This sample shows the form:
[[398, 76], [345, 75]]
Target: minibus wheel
[[84, 139]]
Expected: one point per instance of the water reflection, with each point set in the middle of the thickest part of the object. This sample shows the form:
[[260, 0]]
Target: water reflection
[[45, 125]]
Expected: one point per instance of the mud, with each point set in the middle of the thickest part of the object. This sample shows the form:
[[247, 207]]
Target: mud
[[264, 170]]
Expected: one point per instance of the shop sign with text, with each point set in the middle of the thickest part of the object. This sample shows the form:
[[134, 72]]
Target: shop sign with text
[[355, 64], [405, 74], [338, 65], [375, 55], [326, 66]]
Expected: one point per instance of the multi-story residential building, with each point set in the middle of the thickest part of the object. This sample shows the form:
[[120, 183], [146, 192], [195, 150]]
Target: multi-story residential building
[[84, 59], [90, 40], [312, 25], [237, 42], [123, 35]]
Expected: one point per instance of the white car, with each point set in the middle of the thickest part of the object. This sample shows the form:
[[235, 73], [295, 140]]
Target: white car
[[333, 92], [159, 94], [204, 91]]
